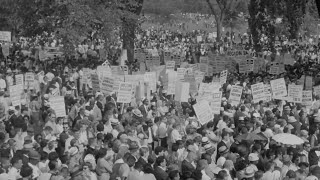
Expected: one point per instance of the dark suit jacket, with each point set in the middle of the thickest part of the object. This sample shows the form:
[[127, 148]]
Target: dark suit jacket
[[160, 174], [143, 111], [187, 167], [220, 144], [142, 161], [16, 121], [76, 120]]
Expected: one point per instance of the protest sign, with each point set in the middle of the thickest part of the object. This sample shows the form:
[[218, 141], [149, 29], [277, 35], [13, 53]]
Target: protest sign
[[104, 71], [172, 79], [308, 83], [215, 103], [5, 36], [182, 92], [19, 79], [117, 80], [125, 92], [205, 88], [301, 80], [170, 66], [180, 74], [307, 98], [295, 92], [193, 88], [288, 59], [107, 85], [151, 78], [235, 94], [95, 82], [29, 77], [258, 92], [274, 70], [15, 94], [203, 112], [58, 105], [6, 50], [223, 76], [134, 79], [204, 60], [242, 66], [316, 90], [279, 88], [250, 65], [267, 91]]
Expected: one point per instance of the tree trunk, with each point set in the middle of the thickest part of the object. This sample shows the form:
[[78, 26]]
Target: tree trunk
[[219, 29], [129, 26], [128, 38]]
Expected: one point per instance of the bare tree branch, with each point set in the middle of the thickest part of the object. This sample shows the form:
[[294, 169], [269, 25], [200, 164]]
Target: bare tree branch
[[211, 7]]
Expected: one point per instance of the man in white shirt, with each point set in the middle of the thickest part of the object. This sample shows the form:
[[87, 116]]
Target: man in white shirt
[[14, 171], [3, 84], [175, 135], [270, 173], [34, 158], [50, 76]]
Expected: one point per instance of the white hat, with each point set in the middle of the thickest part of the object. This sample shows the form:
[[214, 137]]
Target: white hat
[[46, 96], [291, 119], [86, 113], [73, 151], [140, 136], [137, 112], [4, 176], [221, 161], [241, 118], [114, 121], [208, 147], [253, 157], [97, 94], [249, 172], [23, 102], [257, 115], [11, 108], [205, 140]]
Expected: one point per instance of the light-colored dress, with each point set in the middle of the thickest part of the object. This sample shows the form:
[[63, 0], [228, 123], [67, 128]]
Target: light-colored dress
[[103, 169]]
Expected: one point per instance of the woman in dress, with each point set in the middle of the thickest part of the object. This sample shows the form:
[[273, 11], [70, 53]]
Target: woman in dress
[[104, 168]]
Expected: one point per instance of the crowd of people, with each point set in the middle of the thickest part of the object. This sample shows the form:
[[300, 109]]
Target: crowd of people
[[155, 138]]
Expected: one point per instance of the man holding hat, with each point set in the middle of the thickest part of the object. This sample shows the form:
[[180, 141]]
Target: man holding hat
[[3, 84], [34, 158], [253, 158]]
